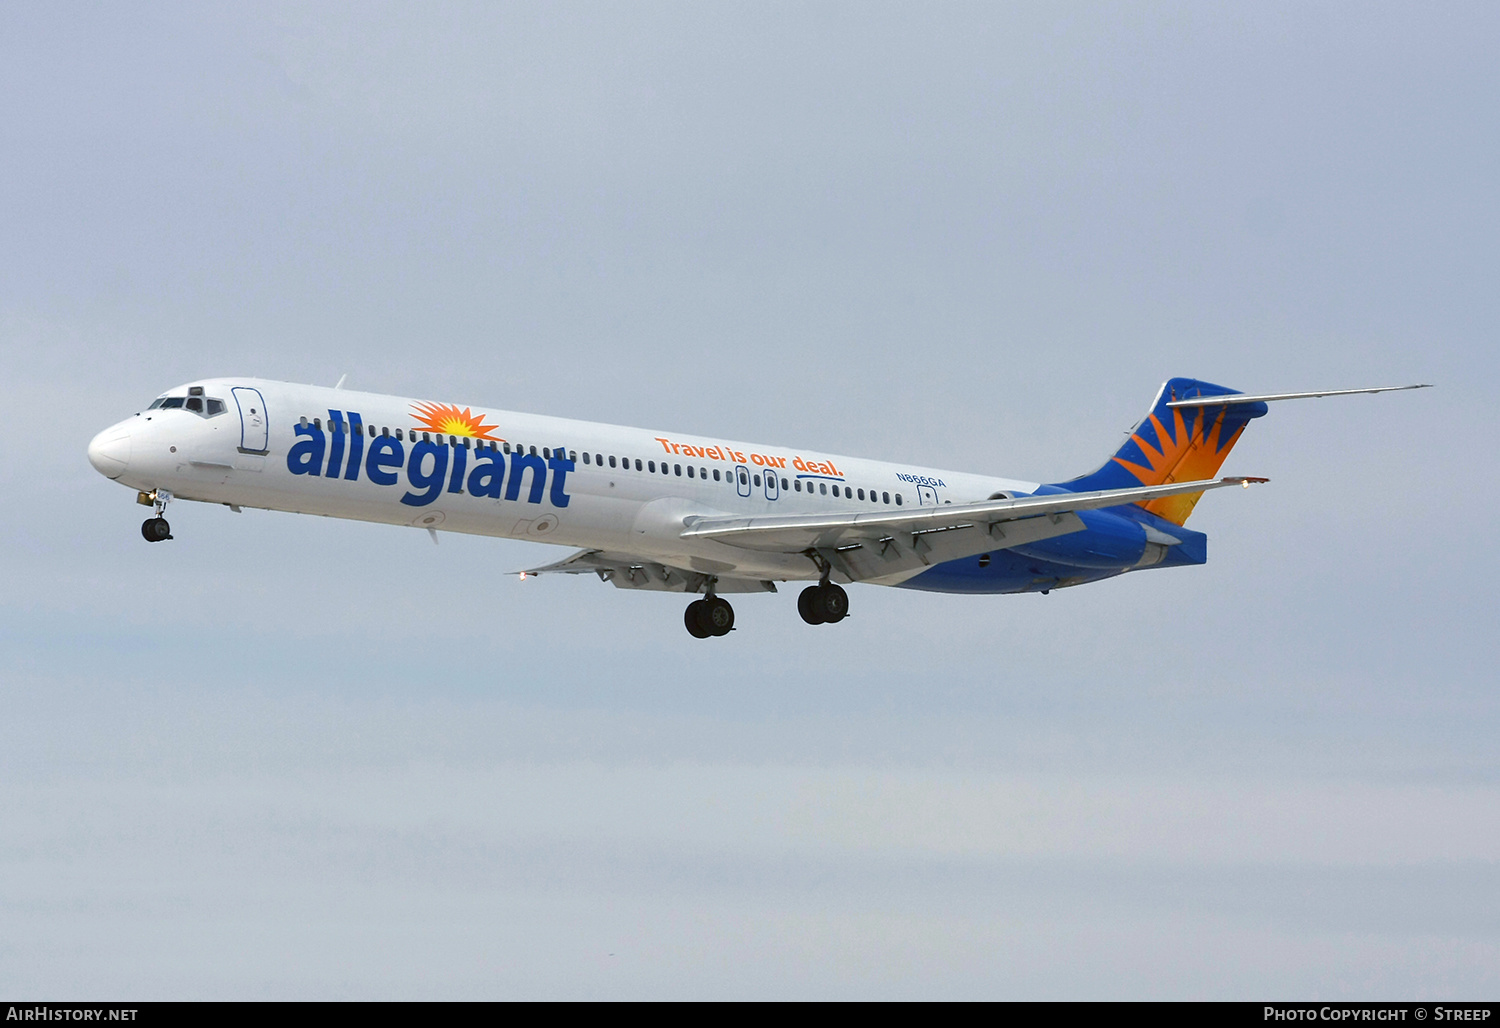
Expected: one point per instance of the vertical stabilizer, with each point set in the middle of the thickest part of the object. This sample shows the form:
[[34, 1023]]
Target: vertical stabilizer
[[1175, 444]]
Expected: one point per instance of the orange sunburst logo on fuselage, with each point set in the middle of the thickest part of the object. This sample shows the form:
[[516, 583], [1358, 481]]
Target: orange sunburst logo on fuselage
[[446, 419], [1194, 450]]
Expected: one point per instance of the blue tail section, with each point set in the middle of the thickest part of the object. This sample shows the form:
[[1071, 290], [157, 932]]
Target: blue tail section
[[1174, 444]]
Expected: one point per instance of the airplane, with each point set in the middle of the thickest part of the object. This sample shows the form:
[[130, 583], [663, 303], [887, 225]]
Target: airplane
[[680, 512]]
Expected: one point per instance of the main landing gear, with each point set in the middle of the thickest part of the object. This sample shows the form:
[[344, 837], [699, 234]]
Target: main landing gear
[[711, 615], [824, 603], [156, 529]]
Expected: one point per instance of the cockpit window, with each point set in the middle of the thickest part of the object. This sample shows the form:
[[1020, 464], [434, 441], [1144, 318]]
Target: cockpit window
[[203, 406]]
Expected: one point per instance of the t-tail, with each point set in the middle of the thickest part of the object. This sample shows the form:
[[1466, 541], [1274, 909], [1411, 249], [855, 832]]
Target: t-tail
[[1175, 444], [1185, 437]]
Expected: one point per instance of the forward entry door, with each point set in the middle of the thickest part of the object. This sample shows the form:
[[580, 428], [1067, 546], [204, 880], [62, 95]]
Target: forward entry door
[[254, 431]]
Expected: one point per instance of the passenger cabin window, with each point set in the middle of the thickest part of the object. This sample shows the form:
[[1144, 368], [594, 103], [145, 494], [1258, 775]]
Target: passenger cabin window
[[885, 497], [823, 488], [898, 499], [676, 468], [638, 464]]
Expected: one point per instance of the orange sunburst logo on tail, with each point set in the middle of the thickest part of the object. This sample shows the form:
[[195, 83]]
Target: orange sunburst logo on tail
[[446, 419], [1191, 452]]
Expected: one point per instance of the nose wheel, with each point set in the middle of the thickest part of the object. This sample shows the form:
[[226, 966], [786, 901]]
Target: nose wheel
[[710, 616], [824, 604], [156, 529]]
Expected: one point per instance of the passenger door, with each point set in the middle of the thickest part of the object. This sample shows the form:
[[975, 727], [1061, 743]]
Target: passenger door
[[254, 430]]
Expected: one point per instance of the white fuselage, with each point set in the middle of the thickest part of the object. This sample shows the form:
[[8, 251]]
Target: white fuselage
[[371, 457]]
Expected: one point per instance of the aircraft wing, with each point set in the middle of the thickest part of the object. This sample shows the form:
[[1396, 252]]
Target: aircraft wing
[[626, 571], [892, 545]]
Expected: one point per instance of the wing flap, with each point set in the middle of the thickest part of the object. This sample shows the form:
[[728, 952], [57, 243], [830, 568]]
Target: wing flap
[[626, 571], [793, 533], [893, 557]]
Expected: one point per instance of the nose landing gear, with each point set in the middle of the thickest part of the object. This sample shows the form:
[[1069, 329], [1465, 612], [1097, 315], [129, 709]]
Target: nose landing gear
[[711, 615], [156, 529]]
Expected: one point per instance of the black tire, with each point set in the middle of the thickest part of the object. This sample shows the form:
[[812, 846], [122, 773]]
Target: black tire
[[833, 603], [718, 616], [693, 619], [809, 607], [156, 529]]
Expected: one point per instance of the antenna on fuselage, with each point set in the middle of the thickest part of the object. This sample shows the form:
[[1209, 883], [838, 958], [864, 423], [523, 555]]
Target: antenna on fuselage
[[342, 379]]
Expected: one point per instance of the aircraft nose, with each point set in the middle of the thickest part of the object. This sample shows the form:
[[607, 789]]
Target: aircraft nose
[[109, 451]]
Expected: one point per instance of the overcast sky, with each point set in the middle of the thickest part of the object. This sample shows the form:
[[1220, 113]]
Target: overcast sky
[[287, 757]]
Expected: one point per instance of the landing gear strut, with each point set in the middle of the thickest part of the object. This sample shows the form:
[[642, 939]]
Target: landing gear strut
[[156, 529], [824, 603], [711, 615]]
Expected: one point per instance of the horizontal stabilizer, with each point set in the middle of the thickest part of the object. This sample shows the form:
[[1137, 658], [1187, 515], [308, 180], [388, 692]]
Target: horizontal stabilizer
[[1220, 401]]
